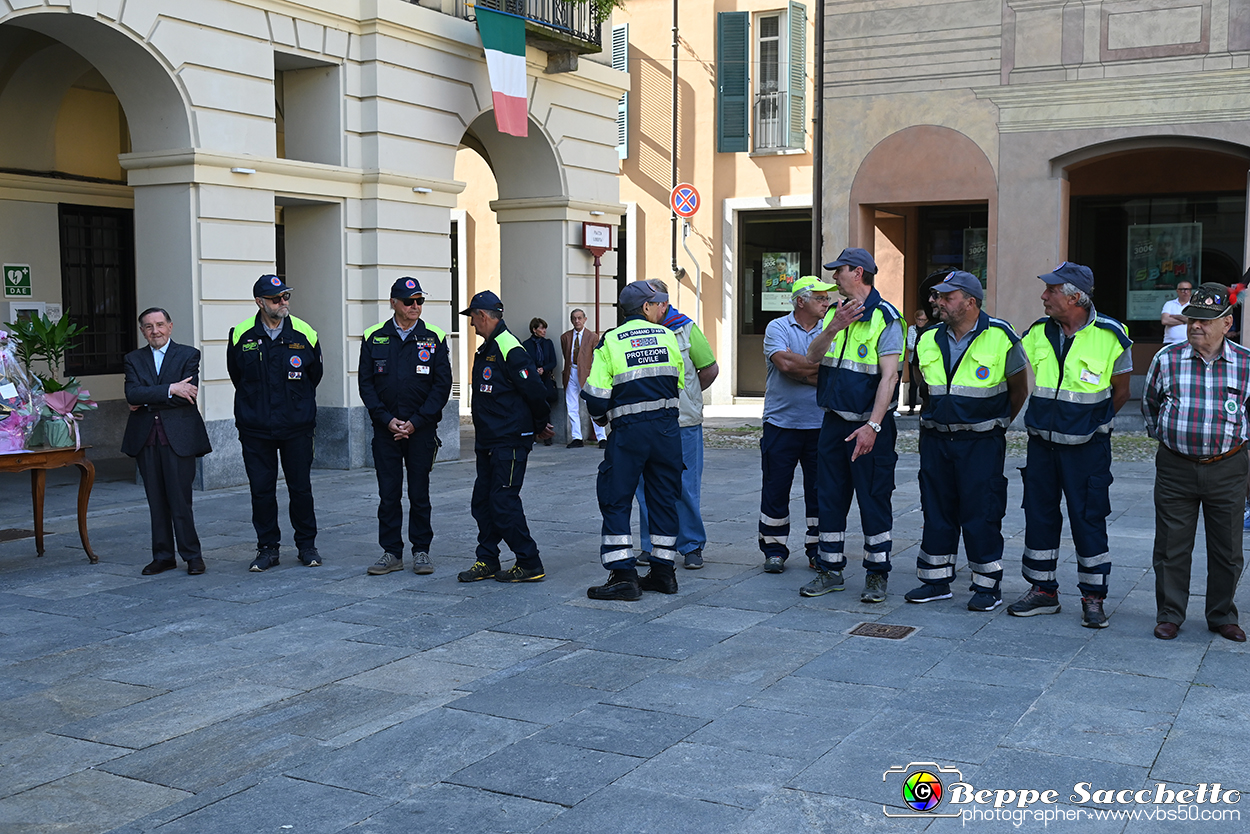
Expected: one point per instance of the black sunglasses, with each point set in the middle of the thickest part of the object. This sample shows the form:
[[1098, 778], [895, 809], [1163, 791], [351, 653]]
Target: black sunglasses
[[408, 302], [286, 296]]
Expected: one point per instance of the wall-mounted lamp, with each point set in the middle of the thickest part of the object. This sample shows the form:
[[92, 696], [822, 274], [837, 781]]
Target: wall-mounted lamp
[[421, 189], [243, 170], [596, 214]]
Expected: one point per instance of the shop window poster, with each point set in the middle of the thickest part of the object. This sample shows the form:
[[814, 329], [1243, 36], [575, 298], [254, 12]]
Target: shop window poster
[[1160, 255], [976, 252], [780, 271]]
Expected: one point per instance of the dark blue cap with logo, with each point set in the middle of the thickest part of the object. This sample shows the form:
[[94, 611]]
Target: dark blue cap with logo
[[268, 286], [406, 288], [854, 257], [960, 280], [485, 300], [638, 293], [1081, 277]]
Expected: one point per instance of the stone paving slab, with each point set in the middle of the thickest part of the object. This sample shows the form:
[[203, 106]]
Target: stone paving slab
[[329, 700]]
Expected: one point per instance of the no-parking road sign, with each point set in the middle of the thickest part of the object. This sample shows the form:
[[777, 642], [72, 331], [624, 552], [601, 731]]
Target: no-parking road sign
[[684, 200]]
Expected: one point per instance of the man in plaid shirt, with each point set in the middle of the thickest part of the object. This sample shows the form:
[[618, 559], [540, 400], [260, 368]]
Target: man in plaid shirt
[[1195, 406]]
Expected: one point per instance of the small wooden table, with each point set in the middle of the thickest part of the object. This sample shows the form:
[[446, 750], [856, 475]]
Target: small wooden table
[[39, 460]]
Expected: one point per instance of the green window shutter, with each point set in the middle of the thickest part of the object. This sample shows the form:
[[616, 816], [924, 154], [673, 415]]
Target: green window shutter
[[620, 61], [733, 100], [796, 124]]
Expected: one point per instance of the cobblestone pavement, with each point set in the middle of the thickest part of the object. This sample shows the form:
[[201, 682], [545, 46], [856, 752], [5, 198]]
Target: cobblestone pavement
[[325, 700]]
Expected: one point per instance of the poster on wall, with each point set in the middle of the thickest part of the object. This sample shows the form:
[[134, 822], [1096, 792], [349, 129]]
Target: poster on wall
[[976, 252], [780, 271], [1160, 255]]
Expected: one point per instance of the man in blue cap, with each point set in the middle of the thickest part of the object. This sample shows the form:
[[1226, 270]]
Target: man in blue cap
[[405, 379], [510, 412], [274, 361], [860, 353], [1081, 364], [792, 420], [635, 382], [973, 365]]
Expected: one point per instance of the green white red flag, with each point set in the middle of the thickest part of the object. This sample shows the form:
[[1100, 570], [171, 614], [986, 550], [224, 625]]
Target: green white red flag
[[503, 36]]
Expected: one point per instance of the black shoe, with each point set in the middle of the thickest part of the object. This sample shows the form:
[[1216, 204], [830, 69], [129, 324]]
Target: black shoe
[[195, 565], [603, 444], [159, 566], [574, 444], [266, 558], [478, 572], [621, 585], [516, 573], [694, 559], [310, 558], [662, 578]]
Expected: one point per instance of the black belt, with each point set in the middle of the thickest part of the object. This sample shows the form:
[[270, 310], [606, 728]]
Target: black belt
[[1210, 458]]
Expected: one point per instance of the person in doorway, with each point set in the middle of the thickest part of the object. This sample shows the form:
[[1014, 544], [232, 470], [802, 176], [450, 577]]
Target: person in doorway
[[578, 347], [1173, 319], [543, 353], [915, 381]]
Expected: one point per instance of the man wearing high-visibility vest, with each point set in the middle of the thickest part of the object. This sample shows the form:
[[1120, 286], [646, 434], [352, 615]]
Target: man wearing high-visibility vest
[[635, 382], [1081, 364], [973, 365], [860, 352]]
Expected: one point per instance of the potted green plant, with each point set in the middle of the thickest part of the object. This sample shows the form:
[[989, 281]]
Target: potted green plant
[[63, 402]]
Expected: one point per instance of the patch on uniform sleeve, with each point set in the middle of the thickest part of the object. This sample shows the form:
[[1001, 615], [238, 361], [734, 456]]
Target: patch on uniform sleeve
[[525, 374], [380, 340], [251, 346], [486, 372]]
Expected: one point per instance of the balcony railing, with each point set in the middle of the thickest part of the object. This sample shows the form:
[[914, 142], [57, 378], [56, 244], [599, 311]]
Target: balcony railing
[[771, 115], [562, 20]]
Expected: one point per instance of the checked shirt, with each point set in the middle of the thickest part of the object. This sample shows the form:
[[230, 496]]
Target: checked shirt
[[1196, 408]]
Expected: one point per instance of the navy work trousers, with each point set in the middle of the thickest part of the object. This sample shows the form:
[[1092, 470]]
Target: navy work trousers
[[870, 480], [781, 450], [496, 506], [1082, 475], [260, 461], [650, 449], [962, 489], [390, 457]]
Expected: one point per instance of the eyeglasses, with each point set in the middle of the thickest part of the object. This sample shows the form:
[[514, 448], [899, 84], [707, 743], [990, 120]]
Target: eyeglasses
[[408, 302], [1184, 289], [286, 296]]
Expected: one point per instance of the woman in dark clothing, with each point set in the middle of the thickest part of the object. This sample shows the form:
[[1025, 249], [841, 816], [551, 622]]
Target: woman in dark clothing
[[543, 352]]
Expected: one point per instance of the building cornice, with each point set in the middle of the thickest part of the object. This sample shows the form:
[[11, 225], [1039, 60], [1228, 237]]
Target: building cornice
[[526, 209], [1222, 96]]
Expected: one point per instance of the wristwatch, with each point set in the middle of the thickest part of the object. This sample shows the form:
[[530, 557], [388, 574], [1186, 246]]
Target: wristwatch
[[876, 427]]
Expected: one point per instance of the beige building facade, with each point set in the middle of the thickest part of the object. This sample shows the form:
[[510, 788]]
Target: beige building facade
[[167, 154], [1006, 136]]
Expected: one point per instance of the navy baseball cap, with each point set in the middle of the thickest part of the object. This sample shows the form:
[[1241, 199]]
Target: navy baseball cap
[[485, 300], [854, 257], [1081, 277], [406, 288], [269, 286], [640, 292], [960, 280]]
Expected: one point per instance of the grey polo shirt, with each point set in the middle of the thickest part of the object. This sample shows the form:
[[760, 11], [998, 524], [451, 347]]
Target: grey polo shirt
[[787, 403]]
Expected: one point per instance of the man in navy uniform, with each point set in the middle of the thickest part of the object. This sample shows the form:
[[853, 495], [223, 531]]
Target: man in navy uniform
[[510, 412], [405, 379], [274, 361]]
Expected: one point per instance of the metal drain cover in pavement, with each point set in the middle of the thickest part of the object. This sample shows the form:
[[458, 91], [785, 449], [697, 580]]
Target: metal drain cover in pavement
[[12, 534], [882, 630]]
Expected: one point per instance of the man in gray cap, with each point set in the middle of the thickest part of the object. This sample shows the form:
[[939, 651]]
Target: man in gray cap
[[974, 367], [635, 383], [1081, 364], [1195, 406]]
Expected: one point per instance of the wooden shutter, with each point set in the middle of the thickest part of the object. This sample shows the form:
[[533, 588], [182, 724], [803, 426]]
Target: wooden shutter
[[620, 61], [733, 100], [796, 123]]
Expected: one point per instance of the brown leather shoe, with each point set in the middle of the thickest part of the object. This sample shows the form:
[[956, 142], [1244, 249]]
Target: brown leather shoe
[[1166, 631], [1229, 631]]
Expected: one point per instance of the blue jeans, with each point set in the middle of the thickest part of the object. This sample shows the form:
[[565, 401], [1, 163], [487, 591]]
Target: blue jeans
[[690, 533]]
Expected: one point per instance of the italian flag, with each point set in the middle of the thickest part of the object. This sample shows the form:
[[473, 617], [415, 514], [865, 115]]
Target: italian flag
[[503, 36]]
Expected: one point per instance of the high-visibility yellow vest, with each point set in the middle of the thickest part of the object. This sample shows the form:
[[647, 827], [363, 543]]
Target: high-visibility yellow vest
[[1071, 399], [975, 397], [850, 370]]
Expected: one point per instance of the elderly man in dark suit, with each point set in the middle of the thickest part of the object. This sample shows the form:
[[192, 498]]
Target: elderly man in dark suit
[[166, 434]]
